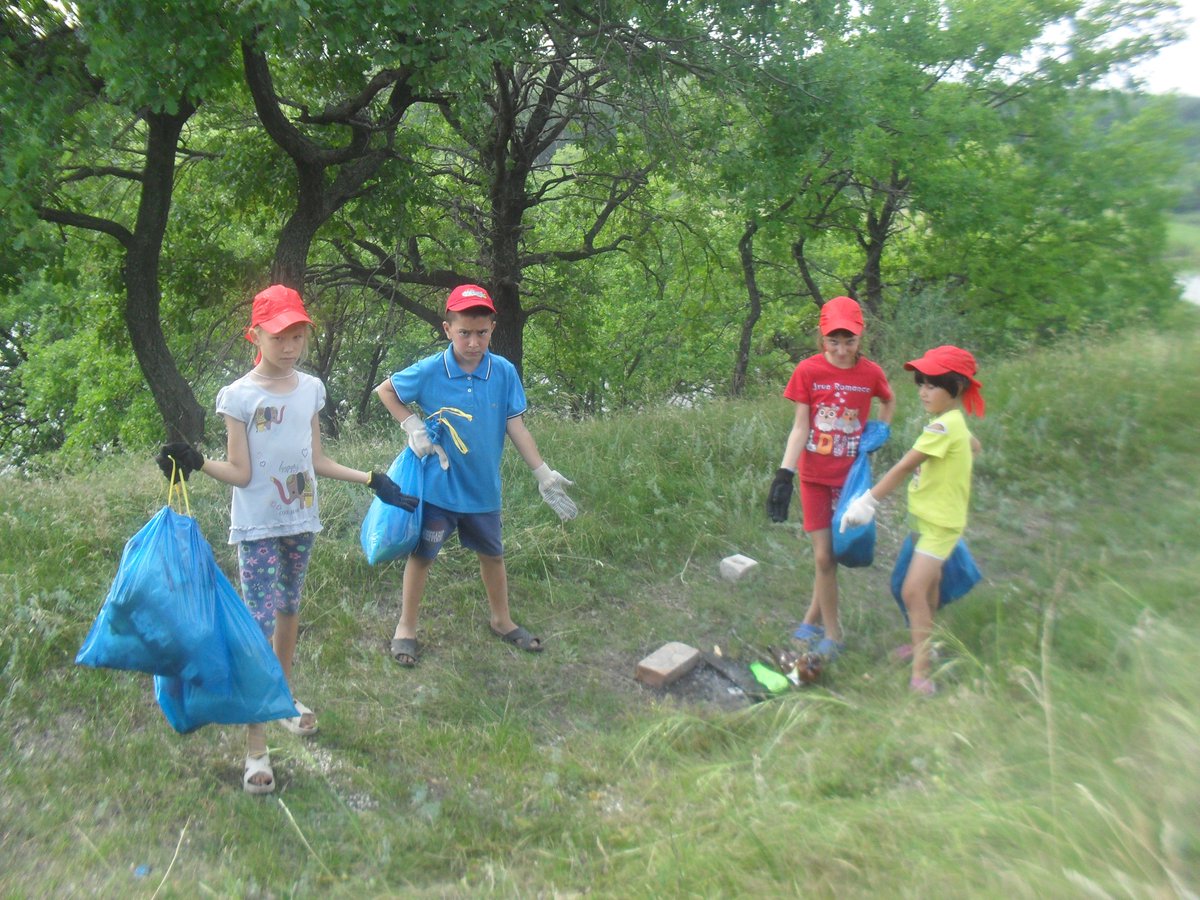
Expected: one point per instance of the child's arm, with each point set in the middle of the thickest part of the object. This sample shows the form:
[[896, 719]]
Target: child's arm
[[550, 483], [779, 497], [862, 508], [413, 425], [976, 447], [797, 437], [386, 392], [887, 408], [326, 467], [235, 467], [518, 432], [896, 474]]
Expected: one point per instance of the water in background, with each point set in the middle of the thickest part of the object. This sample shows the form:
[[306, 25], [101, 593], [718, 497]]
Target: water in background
[[1191, 287]]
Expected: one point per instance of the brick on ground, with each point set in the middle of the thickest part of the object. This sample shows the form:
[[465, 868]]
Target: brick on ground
[[668, 663]]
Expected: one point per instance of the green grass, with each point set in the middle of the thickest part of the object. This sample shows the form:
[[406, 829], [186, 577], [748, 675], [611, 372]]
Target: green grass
[[1059, 760]]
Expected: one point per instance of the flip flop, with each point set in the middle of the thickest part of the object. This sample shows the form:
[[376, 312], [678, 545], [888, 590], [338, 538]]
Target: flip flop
[[403, 649], [922, 686], [258, 765], [521, 639], [293, 725], [806, 633]]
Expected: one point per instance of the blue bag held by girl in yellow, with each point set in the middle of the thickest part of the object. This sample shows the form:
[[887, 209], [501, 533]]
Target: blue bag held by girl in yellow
[[959, 573]]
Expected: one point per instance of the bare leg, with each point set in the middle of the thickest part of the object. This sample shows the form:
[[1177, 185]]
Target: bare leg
[[825, 586], [287, 632], [920, 595], [256, 746], [495, 582], [416, 574]]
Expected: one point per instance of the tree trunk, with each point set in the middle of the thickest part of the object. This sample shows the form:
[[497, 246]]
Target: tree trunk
[[296, 237], [181, 414], [508, 204], [741, 365]]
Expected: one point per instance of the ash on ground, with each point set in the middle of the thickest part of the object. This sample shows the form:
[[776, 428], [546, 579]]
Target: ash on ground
[[706, 686]]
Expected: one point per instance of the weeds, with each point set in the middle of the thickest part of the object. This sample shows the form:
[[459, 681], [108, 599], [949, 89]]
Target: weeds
[[1059, 758]]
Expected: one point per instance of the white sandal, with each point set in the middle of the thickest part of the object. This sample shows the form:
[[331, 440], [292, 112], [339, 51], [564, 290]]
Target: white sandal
[[258, 765], [293, 725]]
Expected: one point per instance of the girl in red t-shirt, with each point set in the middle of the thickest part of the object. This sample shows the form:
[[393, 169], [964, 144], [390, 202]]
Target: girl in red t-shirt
[[832, 391]]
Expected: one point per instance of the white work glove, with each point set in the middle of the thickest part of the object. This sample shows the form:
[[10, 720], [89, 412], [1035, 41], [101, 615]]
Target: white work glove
[[860, 511], [418, 440], [550, 486]]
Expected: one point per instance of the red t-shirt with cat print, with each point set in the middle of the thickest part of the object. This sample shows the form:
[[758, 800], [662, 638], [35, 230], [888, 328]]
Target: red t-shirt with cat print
[[839, 402]]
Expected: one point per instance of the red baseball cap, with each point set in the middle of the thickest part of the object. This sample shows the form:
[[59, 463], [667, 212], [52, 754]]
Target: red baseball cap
[[275, 309], [948, 358], [468, 296], [841, 314]]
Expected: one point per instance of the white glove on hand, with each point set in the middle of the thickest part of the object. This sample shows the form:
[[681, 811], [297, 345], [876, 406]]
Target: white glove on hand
[[418, 440], [550, 486], [860, 511]]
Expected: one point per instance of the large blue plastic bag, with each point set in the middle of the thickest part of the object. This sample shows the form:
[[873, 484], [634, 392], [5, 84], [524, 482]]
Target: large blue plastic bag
[[171, 612], [159, 617], [257, 690], [959, 574], [856, 546], [389, 532]]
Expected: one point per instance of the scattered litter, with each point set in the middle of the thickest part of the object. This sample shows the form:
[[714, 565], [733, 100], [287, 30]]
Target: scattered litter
[[800, 668], [735, 568]]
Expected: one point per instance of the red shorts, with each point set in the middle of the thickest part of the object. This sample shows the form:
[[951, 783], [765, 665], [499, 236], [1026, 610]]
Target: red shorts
[[818, 502]]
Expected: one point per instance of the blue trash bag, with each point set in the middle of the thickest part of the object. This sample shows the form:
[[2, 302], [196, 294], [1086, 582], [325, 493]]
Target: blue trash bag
[[159, 616], [389, 532], [959, 574], [855, 547], [171, 612], [257, 690]]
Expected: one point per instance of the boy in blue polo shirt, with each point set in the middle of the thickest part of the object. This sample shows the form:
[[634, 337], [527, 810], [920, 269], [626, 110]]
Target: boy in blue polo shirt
[[477, 398]]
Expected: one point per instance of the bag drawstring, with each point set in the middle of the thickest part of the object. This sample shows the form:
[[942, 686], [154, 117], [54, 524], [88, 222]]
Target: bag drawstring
[[442, 420], [177, 490]]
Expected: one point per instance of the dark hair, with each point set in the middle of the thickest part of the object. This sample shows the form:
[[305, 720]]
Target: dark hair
[[469, 311], [950, 382]]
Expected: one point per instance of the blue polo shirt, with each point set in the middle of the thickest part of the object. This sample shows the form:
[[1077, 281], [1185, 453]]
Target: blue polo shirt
[[491, 395]]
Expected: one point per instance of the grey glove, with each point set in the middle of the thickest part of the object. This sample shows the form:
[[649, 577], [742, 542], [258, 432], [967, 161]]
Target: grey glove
[[551, 486], [419, 440]]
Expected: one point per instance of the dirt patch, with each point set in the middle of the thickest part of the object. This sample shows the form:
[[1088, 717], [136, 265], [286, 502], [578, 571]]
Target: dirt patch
[[705, 686]]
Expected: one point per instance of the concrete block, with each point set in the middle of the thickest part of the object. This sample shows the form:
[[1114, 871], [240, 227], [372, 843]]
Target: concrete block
[[668, 663], [735, 568]]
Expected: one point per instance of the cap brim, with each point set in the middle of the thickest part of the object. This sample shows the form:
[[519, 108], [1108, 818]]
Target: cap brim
[[286, 319], [925, 367], [842, 325]]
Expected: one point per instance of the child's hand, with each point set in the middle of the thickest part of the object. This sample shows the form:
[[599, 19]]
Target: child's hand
[[550, 486], [420, 442], [179, 459], [860, 511], [387, 491], [780, 496]]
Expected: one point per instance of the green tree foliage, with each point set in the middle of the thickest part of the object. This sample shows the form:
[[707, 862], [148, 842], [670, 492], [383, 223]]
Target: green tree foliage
[[658, 196]]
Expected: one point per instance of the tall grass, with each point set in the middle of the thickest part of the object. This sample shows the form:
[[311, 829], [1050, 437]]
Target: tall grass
[[1059, 759]]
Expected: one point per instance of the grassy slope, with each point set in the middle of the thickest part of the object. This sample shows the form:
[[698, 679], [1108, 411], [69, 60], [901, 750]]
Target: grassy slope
[[1060, 757]]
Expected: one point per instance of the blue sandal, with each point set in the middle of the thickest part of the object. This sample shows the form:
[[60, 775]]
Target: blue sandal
[[829, 649], [807, 633]]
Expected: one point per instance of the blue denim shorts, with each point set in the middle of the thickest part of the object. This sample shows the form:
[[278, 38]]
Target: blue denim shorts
[[476, 531]]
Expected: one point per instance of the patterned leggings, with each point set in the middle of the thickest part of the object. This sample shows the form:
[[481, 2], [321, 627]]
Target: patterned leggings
[[272, 571]]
